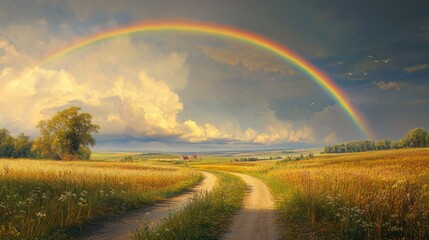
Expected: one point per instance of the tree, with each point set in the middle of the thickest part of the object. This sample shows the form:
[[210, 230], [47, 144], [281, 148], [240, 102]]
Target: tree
[[427, 140], [416, 137], [6, 143], [384, 145], [22, 146], [66, 136]]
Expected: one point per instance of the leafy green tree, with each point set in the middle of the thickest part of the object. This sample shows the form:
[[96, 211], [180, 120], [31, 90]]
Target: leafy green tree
[[22, 146], [66, 136], [384, 145], [416, 137], [6, 143], [427, 140]]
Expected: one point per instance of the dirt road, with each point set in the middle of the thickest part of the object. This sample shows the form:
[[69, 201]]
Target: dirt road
[[256, 219], [121, 227]]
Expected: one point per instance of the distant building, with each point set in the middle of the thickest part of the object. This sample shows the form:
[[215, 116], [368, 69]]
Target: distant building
[[185, 157]]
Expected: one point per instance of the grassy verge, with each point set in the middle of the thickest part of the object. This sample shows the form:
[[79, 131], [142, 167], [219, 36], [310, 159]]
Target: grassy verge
[[204, 218], [46, 199]]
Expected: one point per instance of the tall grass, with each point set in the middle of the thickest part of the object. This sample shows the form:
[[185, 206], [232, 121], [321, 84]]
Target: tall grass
[[372, 195], [203, 218], [383, 195], [44, 199]]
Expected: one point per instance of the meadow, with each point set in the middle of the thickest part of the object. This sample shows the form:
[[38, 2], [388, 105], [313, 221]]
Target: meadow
[[136, 156], [51, 199], [371, 195]]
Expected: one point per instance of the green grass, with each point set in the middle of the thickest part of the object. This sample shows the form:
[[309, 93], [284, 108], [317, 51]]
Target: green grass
[[204, 218]]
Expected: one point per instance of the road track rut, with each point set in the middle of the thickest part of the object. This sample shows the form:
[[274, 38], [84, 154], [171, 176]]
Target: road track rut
[[121, 227]]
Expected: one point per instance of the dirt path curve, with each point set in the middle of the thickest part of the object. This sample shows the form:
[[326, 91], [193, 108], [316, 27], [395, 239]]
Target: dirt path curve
[[120, 228], [256, 219]]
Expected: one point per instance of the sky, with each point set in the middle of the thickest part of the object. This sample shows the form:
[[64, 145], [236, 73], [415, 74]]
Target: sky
[[183, 91]]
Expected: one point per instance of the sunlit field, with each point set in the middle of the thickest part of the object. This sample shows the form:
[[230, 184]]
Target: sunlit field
[[371, 195], [48, 199], [121, 156]]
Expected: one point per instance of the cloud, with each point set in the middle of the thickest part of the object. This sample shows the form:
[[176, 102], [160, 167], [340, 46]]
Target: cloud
[[8, 48], [332, 125], [250, 58], [200, 133], [9, 55], [136, 88], [141, 107], [126, 57], [24, 100], [389, 85], [330, 138], [337, 63], [416, 68]]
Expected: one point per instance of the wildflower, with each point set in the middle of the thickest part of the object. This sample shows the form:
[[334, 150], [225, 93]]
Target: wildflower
[[62, 198], [40, 215], [44, 196]]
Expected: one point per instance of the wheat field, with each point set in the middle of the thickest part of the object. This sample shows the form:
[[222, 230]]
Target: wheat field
[[370, 195], [45, 199]]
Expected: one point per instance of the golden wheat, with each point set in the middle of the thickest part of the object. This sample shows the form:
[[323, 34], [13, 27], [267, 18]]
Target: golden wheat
[[39, 197]]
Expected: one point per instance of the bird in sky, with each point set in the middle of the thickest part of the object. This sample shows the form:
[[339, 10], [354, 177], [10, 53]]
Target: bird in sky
[[311, 104], [386, 60]]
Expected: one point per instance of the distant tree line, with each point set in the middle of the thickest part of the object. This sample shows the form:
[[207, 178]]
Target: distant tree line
[[250, 159], [286, 158], [415, 138], [299, 157], [66, 136], [15, 147]]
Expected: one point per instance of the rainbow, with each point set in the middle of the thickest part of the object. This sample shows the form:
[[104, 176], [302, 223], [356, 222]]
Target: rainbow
[[231, 33]]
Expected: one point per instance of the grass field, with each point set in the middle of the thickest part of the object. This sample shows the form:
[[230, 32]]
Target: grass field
[[46, 199], [372, 195], [204, 218], [136, 156]]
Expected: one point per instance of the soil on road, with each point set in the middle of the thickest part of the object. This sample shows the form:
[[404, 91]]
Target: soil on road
[[120, 228], [256, 220]]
